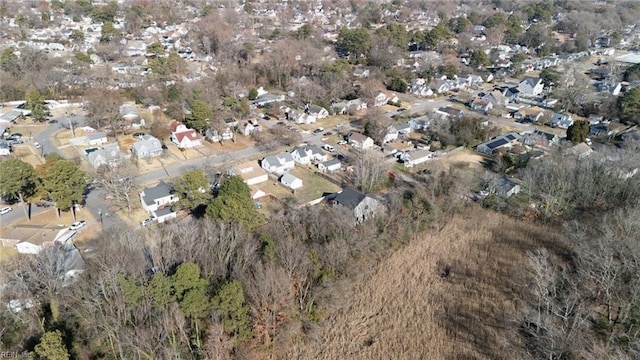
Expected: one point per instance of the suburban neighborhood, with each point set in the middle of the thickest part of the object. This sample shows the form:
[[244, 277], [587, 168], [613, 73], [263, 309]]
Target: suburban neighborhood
[[213, 173]]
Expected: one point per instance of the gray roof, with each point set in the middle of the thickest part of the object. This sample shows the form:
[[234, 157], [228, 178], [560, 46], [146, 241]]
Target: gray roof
[[4, 144], [532, 81], [288, 178], [11, 115], [109, 153], [164, 211], [275, 159], [97, 135], [331, 162], [147, 141], [159, 191], [350, 198]]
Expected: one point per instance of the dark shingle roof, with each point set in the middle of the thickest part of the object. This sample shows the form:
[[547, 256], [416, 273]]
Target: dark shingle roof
[[497, 143], [159, 191], [350, 198]]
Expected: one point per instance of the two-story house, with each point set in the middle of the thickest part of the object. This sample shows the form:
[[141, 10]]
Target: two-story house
[[279, 163]]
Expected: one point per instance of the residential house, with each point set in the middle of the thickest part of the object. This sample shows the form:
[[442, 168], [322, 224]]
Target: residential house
[[363, 207], [397, 131], [449, 111], [579, 151], [317, 111], [158, 197], [360, 141], [440, 86], [562, 121], [109, 155], [164, 214], [531, 86], [250, 172], [217, 136], [330, 165], [541, 138], [291, 181], [267, 98], [248, 128], [420, 123], [382, 99], [147, 147], [420, 87], [512, 94], [528, 114], [505, 187], [610, 87], [129, 112], [361, 73], [503, 141], [5, 148], [300, 117], [480, 105], [183, 137], [308, 154], [417, 157], [97, 138], [495, 97], [391, 135], [279, 163], [600, 130], [11, 116], [344, 107]]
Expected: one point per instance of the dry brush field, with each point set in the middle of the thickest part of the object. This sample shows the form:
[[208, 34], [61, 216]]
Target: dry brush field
[[409, 309]]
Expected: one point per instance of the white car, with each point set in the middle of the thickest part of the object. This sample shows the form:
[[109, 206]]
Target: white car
[[37, 145], [77, 225], [5, 210], [328, 147]]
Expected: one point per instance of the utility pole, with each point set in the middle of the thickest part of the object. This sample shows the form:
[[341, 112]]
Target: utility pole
[[71, 127]]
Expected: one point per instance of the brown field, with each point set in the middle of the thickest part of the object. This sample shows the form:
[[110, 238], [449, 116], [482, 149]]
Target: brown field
[[27, 154], [407, 310]]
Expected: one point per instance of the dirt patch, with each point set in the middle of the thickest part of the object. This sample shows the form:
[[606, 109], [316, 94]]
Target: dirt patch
[[26, 154], [464, 158]]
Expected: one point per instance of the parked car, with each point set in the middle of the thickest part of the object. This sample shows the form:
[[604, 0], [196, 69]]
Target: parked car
[[328, 133], [342, 142], [318, 130], [138, 135], [5, 210], [328, 147], [53, 121], [146, 222], [16, 142], [77, 225], [37, 145]]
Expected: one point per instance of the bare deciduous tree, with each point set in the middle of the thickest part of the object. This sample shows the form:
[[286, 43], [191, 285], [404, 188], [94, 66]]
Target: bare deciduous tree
[[370, 171], [118, 182]]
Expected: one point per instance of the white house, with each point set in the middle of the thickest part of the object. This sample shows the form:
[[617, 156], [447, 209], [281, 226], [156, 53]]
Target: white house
[[109, 155], [417, 157], [318, 111], [308, 154], [250, 172], [97, 138], [25, 247], [360, 141], [291, 181], [216, 136], [248, 128], [382, 99], [562, 121], [183, 137], [420, 87], [397, 131], [147, 147], [531, 86], [5, 149], [279, 163], [330, 165], [157, 197]]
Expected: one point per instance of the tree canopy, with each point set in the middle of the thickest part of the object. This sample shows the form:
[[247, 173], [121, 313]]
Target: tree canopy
[[17, 179], [51, 346], [64, 183], [35, 103], [200, 115], [578, 132], [233, 203], [193, 189], [354, 44], [630, 106]]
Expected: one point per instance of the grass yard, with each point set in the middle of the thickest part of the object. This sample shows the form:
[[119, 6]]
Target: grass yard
[[313, 187]]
